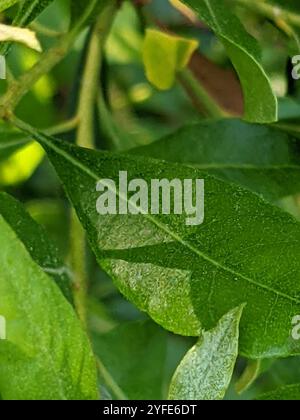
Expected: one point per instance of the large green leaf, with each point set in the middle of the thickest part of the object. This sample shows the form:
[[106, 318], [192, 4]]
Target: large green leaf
[[206, 370], [261, 158], [187, 277], [286, 393], [134, 355], [35, 239], [46, 354], [244, 52]]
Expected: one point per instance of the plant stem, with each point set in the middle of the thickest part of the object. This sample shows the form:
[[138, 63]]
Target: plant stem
[[17, 89], [91, 77], [85, 138], [202, 97], [272, 12], [63, 127], [44, 30], [110, 382]]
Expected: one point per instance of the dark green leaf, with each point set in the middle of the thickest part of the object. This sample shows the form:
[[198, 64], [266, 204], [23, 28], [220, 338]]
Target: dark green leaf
[[30, 10], [188, 277], [35, 239], [244, 52], [80, 7], [287, 393], [46, 354], [5, 4], [134, 355], [206, 370], [261, 158]]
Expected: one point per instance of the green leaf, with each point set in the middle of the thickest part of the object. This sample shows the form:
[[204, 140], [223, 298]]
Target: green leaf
[[46, 355], [187, 277], [261, 158], [134, 355], [164, 56], [35, 239], [30, 10], [5, 4], [286, 393], [206, 371], [10, 142], [244, 52], [19, 157], [92, 7]]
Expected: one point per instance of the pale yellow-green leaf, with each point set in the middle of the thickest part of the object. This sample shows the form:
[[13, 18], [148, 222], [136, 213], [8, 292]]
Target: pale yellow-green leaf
[[21, 165], [164, 56], [19, 35], [206, 370]]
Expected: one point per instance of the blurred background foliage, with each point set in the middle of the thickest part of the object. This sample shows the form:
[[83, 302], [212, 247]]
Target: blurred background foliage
[[142, 114]]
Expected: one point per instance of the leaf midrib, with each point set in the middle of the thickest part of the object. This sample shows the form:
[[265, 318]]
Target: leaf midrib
[[163, 227]]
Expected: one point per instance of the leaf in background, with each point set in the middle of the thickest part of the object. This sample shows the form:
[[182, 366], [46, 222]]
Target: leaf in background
[[19, 35], [35, 239], [185, 277], [80, 7], [10, 142], [30, 10], [164, 56], [134, 355], [19, 158], [5, 4], [244, 52], [261, 158], [206, 370], [286, 393], [282, 372], [46, 355]]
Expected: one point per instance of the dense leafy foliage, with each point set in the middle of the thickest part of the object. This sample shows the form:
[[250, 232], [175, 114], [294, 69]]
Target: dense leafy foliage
[[162, 308]]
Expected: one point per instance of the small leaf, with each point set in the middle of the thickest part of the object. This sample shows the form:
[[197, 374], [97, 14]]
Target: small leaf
[[286, 393], [46, 355], [261, 158], [134, 355], [244, 52], [205, 372], [164, 56], [35, 239], [19, 35]]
